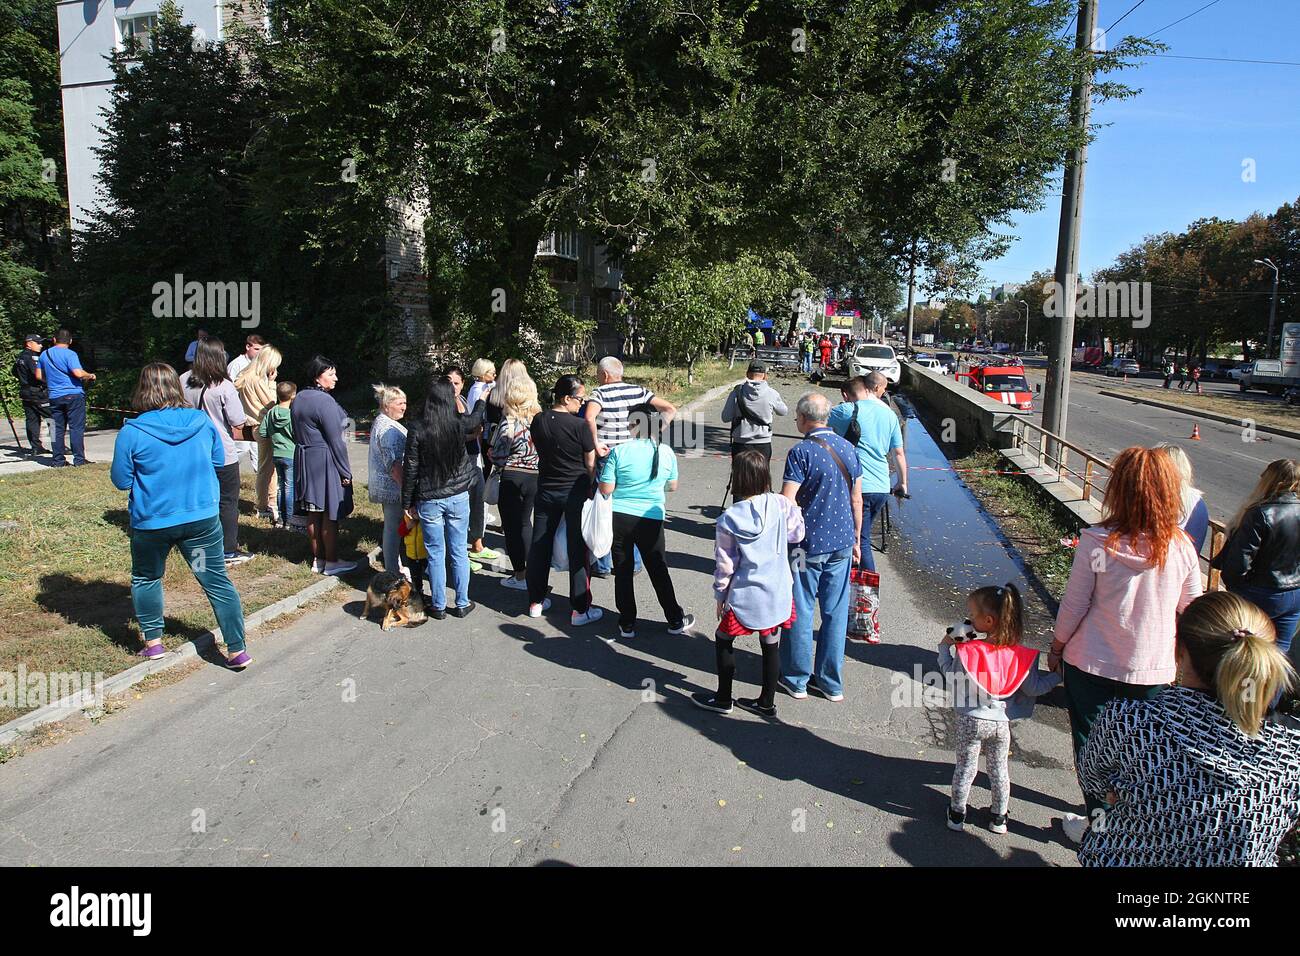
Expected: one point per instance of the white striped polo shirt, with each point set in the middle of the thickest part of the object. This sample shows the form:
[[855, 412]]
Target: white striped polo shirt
[[615, 400]]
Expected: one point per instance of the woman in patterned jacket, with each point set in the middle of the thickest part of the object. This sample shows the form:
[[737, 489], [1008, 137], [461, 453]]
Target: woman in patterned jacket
[[1202, 774]]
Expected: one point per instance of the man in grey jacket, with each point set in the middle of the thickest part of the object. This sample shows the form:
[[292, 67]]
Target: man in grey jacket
[[750, 408]]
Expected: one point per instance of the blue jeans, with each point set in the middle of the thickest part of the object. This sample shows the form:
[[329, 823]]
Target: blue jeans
[[202, 543], [445, 522], [391, 546], [1283, 607], [805, 362], [69, 414], [872, 504], [823, 582], [284, 488]]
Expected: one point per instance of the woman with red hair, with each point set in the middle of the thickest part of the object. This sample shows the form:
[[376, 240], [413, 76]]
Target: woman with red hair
[[1132, 576]]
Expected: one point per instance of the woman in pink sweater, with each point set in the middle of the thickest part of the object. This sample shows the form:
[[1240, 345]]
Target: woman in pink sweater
[[1132, 575]]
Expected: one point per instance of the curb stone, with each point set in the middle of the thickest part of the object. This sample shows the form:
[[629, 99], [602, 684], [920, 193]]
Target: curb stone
[[67, 707], [1238, 420]]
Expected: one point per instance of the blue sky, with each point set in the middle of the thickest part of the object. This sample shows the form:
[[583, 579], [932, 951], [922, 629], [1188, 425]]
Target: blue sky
[[1174, 152]]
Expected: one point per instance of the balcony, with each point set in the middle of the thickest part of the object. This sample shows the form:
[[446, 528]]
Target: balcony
[[559, 245]]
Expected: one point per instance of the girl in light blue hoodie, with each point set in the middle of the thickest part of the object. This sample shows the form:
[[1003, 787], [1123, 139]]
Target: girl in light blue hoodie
[[752, 583], [165, 459]]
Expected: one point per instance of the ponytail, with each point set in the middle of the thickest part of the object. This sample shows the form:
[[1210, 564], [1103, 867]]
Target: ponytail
[[1004, 605], [1232, 647]]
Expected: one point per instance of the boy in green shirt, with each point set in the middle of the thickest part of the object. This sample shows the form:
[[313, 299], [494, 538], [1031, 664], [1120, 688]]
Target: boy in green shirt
[[277, 425]]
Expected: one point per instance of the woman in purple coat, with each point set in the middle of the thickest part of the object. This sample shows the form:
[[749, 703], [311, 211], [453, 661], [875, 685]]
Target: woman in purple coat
[[322, 476]]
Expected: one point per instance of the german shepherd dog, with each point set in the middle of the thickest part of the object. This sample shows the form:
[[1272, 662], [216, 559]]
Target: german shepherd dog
[[392, 592]]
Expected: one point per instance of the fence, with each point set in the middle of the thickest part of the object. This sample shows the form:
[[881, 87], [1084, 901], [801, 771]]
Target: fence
[[1096, 471]]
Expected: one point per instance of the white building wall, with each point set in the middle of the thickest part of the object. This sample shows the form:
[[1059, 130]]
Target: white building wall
[[88, 32]]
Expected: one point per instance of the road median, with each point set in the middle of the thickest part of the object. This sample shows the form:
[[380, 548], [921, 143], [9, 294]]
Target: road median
[[1240, 420]]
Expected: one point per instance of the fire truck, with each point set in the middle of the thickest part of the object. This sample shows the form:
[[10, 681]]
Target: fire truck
[[1003, 383]]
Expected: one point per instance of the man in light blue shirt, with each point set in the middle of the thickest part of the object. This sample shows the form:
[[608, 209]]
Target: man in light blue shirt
[[878, 436], [63, 374]]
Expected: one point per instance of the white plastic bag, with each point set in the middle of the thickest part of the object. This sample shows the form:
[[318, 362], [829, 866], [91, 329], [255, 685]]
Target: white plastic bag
[[598, 525], [560, 550]]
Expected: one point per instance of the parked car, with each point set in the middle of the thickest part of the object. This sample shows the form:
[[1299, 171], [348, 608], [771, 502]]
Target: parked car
[[1220, 369], [933, 364], [948, 360], [875, 358], [1123, 366], [1236, 374]]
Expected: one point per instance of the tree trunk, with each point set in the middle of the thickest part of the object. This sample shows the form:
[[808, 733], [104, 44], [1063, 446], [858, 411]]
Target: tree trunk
[[518, 267]]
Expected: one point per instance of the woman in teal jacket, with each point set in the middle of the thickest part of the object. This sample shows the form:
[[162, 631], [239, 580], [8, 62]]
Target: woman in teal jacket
[[165, 458]]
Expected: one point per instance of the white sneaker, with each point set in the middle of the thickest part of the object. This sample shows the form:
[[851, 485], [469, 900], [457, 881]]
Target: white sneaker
[[796, 694], [592, 615], [338, 567], [686, 624], [1075, 826], [512, 582], [536, 610], [317, 567]]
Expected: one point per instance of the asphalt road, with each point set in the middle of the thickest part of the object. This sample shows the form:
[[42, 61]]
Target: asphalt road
[[1225, 465], [501, 739]]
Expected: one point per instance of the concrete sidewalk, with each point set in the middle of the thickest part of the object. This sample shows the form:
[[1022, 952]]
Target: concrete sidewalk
[[501, 739]]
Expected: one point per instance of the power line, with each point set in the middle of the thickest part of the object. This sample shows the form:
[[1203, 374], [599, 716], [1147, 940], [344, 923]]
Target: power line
[[1121, 19], [1179, 20], [1224, 59]]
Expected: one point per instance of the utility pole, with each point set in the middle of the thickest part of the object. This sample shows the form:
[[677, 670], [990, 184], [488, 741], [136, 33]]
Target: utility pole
[[1272, 309], [911, 295], [1056, 393], [1026, 305]]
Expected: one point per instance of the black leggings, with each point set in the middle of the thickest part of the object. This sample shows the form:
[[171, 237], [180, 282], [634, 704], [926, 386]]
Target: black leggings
[[549, 508], [516, 499], [647, 534], [228, 482], [726, 655]]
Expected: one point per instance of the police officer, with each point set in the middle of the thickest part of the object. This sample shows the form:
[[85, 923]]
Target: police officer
[[33, 392]]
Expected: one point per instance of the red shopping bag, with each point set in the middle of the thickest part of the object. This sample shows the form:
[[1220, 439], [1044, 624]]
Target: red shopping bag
[[864, 606]]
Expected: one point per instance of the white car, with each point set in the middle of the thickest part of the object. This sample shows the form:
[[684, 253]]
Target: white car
[[1235, 374], [933, 364], [875, 358]]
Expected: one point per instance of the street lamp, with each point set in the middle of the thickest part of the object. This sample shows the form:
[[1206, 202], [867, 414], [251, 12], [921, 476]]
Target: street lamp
[[1272, 311], [1026, 305]]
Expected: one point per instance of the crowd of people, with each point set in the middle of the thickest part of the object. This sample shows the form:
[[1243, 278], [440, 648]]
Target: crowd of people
[[1179, 702], [825, 351]]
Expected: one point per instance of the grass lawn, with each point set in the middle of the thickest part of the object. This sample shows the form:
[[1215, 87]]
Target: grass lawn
[[65, 572], [1260, 408], [669, 381], [1025, 518]]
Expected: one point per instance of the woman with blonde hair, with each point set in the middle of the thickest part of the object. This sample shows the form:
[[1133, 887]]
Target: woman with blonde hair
[[513, 453], [1132, 575], [1261, 558], [1202, 774], [386, 454], [256, 388], [1194, 516]]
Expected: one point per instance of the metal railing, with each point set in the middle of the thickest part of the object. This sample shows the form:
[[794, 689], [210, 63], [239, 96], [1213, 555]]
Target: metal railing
[[1095, 471]]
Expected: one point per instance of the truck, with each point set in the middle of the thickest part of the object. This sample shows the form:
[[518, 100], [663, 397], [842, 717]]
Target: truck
[[1003, 383], [1275, 376], [927, 338], [1088, 356]]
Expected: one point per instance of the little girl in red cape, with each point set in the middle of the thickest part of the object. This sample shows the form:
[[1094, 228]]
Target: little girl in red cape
[[994, 681]]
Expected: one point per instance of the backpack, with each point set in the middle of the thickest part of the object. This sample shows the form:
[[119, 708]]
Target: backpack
[[745, 413], [853, 433]]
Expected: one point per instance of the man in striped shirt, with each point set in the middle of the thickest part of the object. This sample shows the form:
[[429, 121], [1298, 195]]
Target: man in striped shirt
[[606, 414]]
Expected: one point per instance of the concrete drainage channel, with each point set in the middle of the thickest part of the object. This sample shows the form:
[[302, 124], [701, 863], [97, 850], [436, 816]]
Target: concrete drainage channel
[[949, 543]]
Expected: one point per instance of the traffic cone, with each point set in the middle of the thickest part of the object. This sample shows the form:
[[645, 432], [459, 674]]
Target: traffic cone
[[1196, 432]]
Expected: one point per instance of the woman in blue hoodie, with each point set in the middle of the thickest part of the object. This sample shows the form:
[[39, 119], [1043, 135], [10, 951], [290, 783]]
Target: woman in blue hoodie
[[165, 459]]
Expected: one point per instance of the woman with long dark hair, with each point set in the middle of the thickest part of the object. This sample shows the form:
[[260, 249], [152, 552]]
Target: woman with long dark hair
[[166, 459], [437, 476], [322, 474], [566, 462], [208, 388]]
